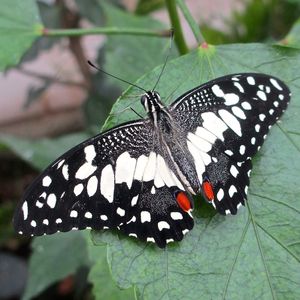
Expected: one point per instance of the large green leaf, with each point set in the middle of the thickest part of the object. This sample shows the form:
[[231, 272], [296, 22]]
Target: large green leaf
[[55, 257], [255, 254], [20, 25]]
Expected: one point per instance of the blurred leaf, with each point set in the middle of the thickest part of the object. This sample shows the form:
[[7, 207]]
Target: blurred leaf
[[34, 93], [147, 6], [13, 274], [54, 258], [253, 255], [50, 15], [131, 56], [258, 21], [293, 38], [40, 153], [6, 230], [92, 11], [103, 285], [20, 25]]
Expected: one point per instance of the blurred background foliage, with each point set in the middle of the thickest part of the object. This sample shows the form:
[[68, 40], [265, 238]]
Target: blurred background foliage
[[129, 57]]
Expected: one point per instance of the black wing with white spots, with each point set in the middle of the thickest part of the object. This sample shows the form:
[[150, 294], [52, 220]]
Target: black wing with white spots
[[226, 121], [139, 177], [114, 180]]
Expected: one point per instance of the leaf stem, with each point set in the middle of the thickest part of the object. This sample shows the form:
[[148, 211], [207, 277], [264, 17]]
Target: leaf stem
[[191, 21], [174, 18], [104, 30]]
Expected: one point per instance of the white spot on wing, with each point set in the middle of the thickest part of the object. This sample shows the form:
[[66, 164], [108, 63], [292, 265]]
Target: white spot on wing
[[250, 80], [46, 222], [92, 186], [73, 214], [86, 170], [238, 112], [120, 212], [231, 99], [140, 167], [25, 210], [276, 84], [176, 215], [150, 169], [233, 170], [214, 124], [200, 167], [47, 181], [107, 183], [205, 134], [232, 190], [65, 172], [134, 200], [33, 223], [242, 149], [238, 85], [231, 121], [78, 189], [163, 225], [103, 217], [246, 105], [88, 215], [217, 90], [125, 167], [145, 216], [220, 194], [90, 153], [200, 143], [51, 200], [262, 95]]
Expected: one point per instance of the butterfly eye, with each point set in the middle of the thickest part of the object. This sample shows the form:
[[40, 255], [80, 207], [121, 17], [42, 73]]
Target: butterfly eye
[[144, 100]]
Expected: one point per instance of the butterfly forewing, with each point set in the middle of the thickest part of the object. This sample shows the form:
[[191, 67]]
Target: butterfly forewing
[[114, 180], [226, 121]]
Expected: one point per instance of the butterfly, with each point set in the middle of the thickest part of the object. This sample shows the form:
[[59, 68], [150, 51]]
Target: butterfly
[[140, 177]]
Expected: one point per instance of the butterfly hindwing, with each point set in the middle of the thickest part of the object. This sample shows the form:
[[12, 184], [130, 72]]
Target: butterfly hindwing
[[226, 121]]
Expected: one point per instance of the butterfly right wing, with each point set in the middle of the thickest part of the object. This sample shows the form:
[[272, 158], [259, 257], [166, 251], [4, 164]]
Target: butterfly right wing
[[117, 179], [225, 122]]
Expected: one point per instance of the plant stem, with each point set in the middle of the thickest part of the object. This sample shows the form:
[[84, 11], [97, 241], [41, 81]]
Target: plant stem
[[178, 35], [191, 21], [104, 30]]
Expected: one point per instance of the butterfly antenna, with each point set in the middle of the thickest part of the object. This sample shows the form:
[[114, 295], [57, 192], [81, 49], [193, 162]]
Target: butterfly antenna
[[166, 60], [116, 77]]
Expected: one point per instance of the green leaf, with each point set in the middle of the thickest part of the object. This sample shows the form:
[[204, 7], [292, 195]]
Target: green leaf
[[54, 258], [293, 38], [40, 153], [20, 25], [253, 255], [103, 285], [131, 56]]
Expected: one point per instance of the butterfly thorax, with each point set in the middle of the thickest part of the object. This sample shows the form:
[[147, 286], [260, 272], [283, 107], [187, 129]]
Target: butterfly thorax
[[171, 141]]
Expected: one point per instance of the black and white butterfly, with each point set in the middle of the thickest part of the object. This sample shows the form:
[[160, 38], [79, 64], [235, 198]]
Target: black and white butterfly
[[140, 177]]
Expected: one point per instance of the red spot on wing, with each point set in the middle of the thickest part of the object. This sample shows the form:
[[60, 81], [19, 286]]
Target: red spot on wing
[[208, 190], [183, 201]]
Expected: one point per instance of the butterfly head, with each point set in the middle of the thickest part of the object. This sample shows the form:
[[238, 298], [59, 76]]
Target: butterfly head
[[151, 102]]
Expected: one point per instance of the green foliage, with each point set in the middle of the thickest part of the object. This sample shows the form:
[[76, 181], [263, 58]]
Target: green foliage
[[258, 249], [55, 257], [19, 27], [255, 254], [260, 21], [293, 38]]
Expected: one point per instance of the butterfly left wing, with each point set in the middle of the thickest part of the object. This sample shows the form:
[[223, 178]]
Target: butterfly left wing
[[225, 122], [117, 179]]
